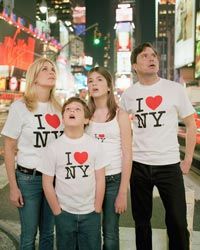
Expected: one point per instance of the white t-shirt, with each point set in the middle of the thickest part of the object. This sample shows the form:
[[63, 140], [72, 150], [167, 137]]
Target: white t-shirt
[[108, 134], [156, 109], [33, 130], [73, 162]]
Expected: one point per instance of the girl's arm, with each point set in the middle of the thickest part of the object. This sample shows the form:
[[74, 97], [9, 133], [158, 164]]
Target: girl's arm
[[126, 144], [10, 146]]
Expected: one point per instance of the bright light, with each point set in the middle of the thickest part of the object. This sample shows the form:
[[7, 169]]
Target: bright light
[[43, 7], [96, 41]]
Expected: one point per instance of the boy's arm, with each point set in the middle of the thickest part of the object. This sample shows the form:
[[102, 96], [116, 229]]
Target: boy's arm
[[47, 183], [100, 189]]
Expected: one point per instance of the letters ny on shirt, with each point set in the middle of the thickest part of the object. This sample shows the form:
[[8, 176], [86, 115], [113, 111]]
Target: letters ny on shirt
[[72, 170], [152, 103], [47, 125]]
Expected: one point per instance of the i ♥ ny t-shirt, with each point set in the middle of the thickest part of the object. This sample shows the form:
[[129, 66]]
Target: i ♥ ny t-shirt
[[33, 130], [73, 162], [156, 110]]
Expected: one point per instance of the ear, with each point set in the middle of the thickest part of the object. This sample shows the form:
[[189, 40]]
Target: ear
[[86, 121], [134, 66]]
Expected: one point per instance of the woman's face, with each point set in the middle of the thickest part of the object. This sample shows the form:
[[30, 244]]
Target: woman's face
[[46, 76], [97, 85]]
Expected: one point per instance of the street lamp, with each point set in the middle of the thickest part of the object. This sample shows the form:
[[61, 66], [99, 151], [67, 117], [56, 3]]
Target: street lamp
[[50, 14]]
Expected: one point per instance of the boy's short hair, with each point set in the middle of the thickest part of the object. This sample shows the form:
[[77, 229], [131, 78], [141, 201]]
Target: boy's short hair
[[139, 49], [82, 102]]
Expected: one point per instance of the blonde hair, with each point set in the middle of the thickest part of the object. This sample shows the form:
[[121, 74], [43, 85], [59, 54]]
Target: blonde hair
[[111, 102], [30, 95]]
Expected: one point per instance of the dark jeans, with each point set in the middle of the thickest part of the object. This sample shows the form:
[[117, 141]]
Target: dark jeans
[[110, 218], [78, 231], [35, 214], [169, 181]]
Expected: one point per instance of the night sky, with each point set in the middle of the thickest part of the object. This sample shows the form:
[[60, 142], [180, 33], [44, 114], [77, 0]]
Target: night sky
[[102, 12]]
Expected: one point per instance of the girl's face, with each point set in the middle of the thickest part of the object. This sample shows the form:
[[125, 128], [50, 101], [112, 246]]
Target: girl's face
[[46, 76], [97, 85]]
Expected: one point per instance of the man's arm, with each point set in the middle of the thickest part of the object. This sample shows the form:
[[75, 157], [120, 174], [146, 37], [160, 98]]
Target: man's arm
[[47, 182], [190, 142], [100, 189]]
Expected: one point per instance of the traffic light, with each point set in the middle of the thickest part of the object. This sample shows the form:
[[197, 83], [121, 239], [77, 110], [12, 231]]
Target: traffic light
[[97, 36]]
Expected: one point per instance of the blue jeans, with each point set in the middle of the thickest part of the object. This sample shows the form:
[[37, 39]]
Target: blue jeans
[[169, 181], [110, 218], [35, 214], [78, 231]]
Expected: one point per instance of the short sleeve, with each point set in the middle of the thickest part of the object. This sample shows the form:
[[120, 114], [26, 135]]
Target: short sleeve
[[47, 162], [13, 125], [185, 107]]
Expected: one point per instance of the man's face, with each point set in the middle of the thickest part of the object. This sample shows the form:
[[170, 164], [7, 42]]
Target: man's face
[[146, 62]]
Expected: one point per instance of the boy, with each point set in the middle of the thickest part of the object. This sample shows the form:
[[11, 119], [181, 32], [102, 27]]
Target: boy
[[75, 159]]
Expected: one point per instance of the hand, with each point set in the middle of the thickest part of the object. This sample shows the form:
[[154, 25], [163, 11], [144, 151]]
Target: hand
[[16, 197], [185, 166], [97, 208], [56, 213], [121, 203]]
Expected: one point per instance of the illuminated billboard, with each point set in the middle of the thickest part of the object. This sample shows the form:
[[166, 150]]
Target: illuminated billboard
[[124, 13], [17, 48], [184, 32], [197, 54]]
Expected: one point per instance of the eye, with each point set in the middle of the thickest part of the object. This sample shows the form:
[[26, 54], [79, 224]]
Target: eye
[[67, 109], [44, 68], [78, 109]]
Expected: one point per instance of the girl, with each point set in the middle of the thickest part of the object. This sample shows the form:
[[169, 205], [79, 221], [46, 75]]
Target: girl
[[33, 122], [110, 126]]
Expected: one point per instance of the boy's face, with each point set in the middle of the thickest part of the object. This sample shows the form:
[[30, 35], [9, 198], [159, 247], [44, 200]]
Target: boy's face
[[74, 115]]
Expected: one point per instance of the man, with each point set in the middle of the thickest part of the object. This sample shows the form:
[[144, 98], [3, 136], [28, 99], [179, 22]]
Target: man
[[156, 105]]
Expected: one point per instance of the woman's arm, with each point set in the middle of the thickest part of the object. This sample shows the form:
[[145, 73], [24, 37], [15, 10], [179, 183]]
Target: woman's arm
[[100, 189], [10, 146], [126, 144], [47, 183]]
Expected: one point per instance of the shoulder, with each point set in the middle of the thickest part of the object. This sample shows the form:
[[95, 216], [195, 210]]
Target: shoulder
[[18, 104], [171, 84], [121, 114], [18, 107]]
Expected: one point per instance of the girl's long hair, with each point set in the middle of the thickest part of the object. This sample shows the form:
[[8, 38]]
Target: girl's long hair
[[111, 102], [30, 95]]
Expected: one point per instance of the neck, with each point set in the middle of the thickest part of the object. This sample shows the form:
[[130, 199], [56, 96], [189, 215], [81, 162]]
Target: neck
[[148, 80], [74, 132], [101, 102], [43, 94]]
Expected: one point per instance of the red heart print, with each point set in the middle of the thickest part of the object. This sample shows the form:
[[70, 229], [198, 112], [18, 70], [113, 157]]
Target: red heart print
[[81, 157], [153, 102], [101, 136], [52, 120]]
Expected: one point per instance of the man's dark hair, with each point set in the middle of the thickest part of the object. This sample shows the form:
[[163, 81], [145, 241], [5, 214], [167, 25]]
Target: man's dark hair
[[139, 49]]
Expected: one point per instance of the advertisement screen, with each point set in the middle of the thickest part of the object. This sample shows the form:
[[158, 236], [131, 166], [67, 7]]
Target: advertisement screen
[[197, 54], [17, 48], [184, 32]]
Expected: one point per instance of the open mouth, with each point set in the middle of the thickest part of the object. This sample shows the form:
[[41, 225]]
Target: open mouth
[[72, 117]]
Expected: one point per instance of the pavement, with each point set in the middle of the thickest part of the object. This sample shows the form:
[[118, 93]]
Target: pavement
[[10, 227]]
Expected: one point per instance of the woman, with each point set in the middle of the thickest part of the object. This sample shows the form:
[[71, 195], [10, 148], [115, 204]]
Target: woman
[[33, 122], [111, 126]]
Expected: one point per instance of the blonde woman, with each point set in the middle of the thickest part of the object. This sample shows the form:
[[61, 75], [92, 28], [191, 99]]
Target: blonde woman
[[33, 122], [111, 127]]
